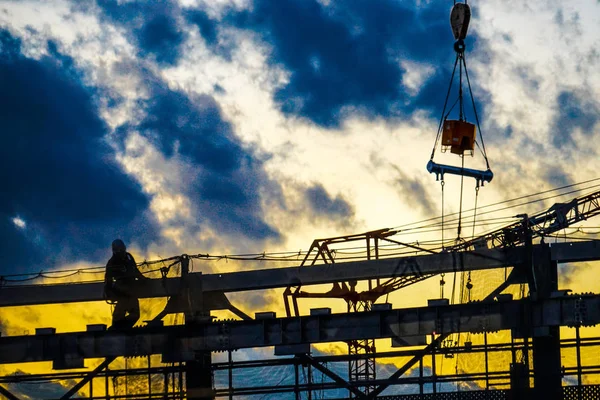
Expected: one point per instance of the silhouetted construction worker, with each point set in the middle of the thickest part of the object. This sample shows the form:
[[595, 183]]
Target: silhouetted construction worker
[[119, 279]]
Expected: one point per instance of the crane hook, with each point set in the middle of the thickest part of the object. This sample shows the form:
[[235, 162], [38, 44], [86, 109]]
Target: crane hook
[[460, 16]]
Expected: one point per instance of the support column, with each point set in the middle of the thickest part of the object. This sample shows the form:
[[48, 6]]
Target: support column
[[421, 377], [519, 371], [230, 374], [546, 341], [198, 373], [296, 378], [487, 364], [519, 381], [433, 369], [579, 371], [198, 378]]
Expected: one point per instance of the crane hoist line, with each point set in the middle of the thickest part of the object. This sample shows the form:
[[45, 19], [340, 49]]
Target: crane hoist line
[[458, 135]]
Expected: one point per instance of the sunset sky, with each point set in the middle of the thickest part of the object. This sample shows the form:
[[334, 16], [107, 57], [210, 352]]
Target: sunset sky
[[241, 126]]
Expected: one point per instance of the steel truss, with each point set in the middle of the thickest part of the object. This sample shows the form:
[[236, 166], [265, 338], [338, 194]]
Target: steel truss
[[537, 318], [324, 250], [173, 386]]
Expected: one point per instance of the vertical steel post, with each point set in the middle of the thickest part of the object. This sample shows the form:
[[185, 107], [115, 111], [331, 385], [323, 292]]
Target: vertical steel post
[[547, 368], [149, 377], [198, 372], [296, 379], [230, 375], [180, 379], [309, 378], [579, 374], [487, 365], [166, 385], [421, 376], [526, 354], [513, 351], [126, 380], [433, 371]]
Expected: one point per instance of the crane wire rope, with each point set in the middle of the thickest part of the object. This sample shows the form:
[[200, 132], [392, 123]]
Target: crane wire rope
[[462, 178], [512, 200], [439, 130], [461, 61], [442, 184], [487, 163], [499, 209]]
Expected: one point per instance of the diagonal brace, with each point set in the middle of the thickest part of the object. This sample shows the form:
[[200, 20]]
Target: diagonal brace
[[407, 366], [7, 394], [430, 347], [88, 378], [239, 313], [326, 371]]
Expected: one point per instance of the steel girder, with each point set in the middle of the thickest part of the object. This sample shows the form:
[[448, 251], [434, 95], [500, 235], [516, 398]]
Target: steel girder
[[178, 343]]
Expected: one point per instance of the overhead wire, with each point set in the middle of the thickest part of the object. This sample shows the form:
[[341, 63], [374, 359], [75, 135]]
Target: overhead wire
[[510, 200], [345, 253], [509, 207]]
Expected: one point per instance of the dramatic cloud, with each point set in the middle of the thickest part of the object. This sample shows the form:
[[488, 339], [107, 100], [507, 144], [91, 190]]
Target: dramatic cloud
[[227, 178], [323, 205], [412, 190], [60, 177], [245, 119], [574, 112], [161, 38], [150, 25], [345, 57]]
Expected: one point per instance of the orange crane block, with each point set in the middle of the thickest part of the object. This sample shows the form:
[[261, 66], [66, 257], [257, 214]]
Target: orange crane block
[[459, 136]]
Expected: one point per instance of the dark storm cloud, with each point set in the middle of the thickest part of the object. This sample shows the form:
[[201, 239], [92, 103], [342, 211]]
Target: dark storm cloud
[[347, 54], [58, 174], [322, 204], [342, 58], [226, 190], [556, 176], [412, 191], [161, 37], [227, 178], [151, 25], [573, 112]]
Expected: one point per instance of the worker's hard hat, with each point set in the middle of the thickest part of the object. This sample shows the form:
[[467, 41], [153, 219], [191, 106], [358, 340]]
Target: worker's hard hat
[[118, 246]]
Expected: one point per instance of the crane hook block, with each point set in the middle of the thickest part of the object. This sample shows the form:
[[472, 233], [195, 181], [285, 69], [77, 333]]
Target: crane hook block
[[460, 16], [440, 170]]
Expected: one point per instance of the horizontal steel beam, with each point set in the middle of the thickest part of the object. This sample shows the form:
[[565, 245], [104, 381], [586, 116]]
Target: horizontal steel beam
[[441, 169], [179, 343], [293, 276]]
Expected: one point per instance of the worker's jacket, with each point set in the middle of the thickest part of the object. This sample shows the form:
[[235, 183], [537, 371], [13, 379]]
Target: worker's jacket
[[121, 273]]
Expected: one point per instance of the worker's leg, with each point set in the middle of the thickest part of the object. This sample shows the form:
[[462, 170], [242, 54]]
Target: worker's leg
[[133, 310], [119, 313]]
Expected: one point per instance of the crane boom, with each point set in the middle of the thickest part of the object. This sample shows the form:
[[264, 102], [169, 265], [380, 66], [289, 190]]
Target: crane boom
[[557, 217]]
